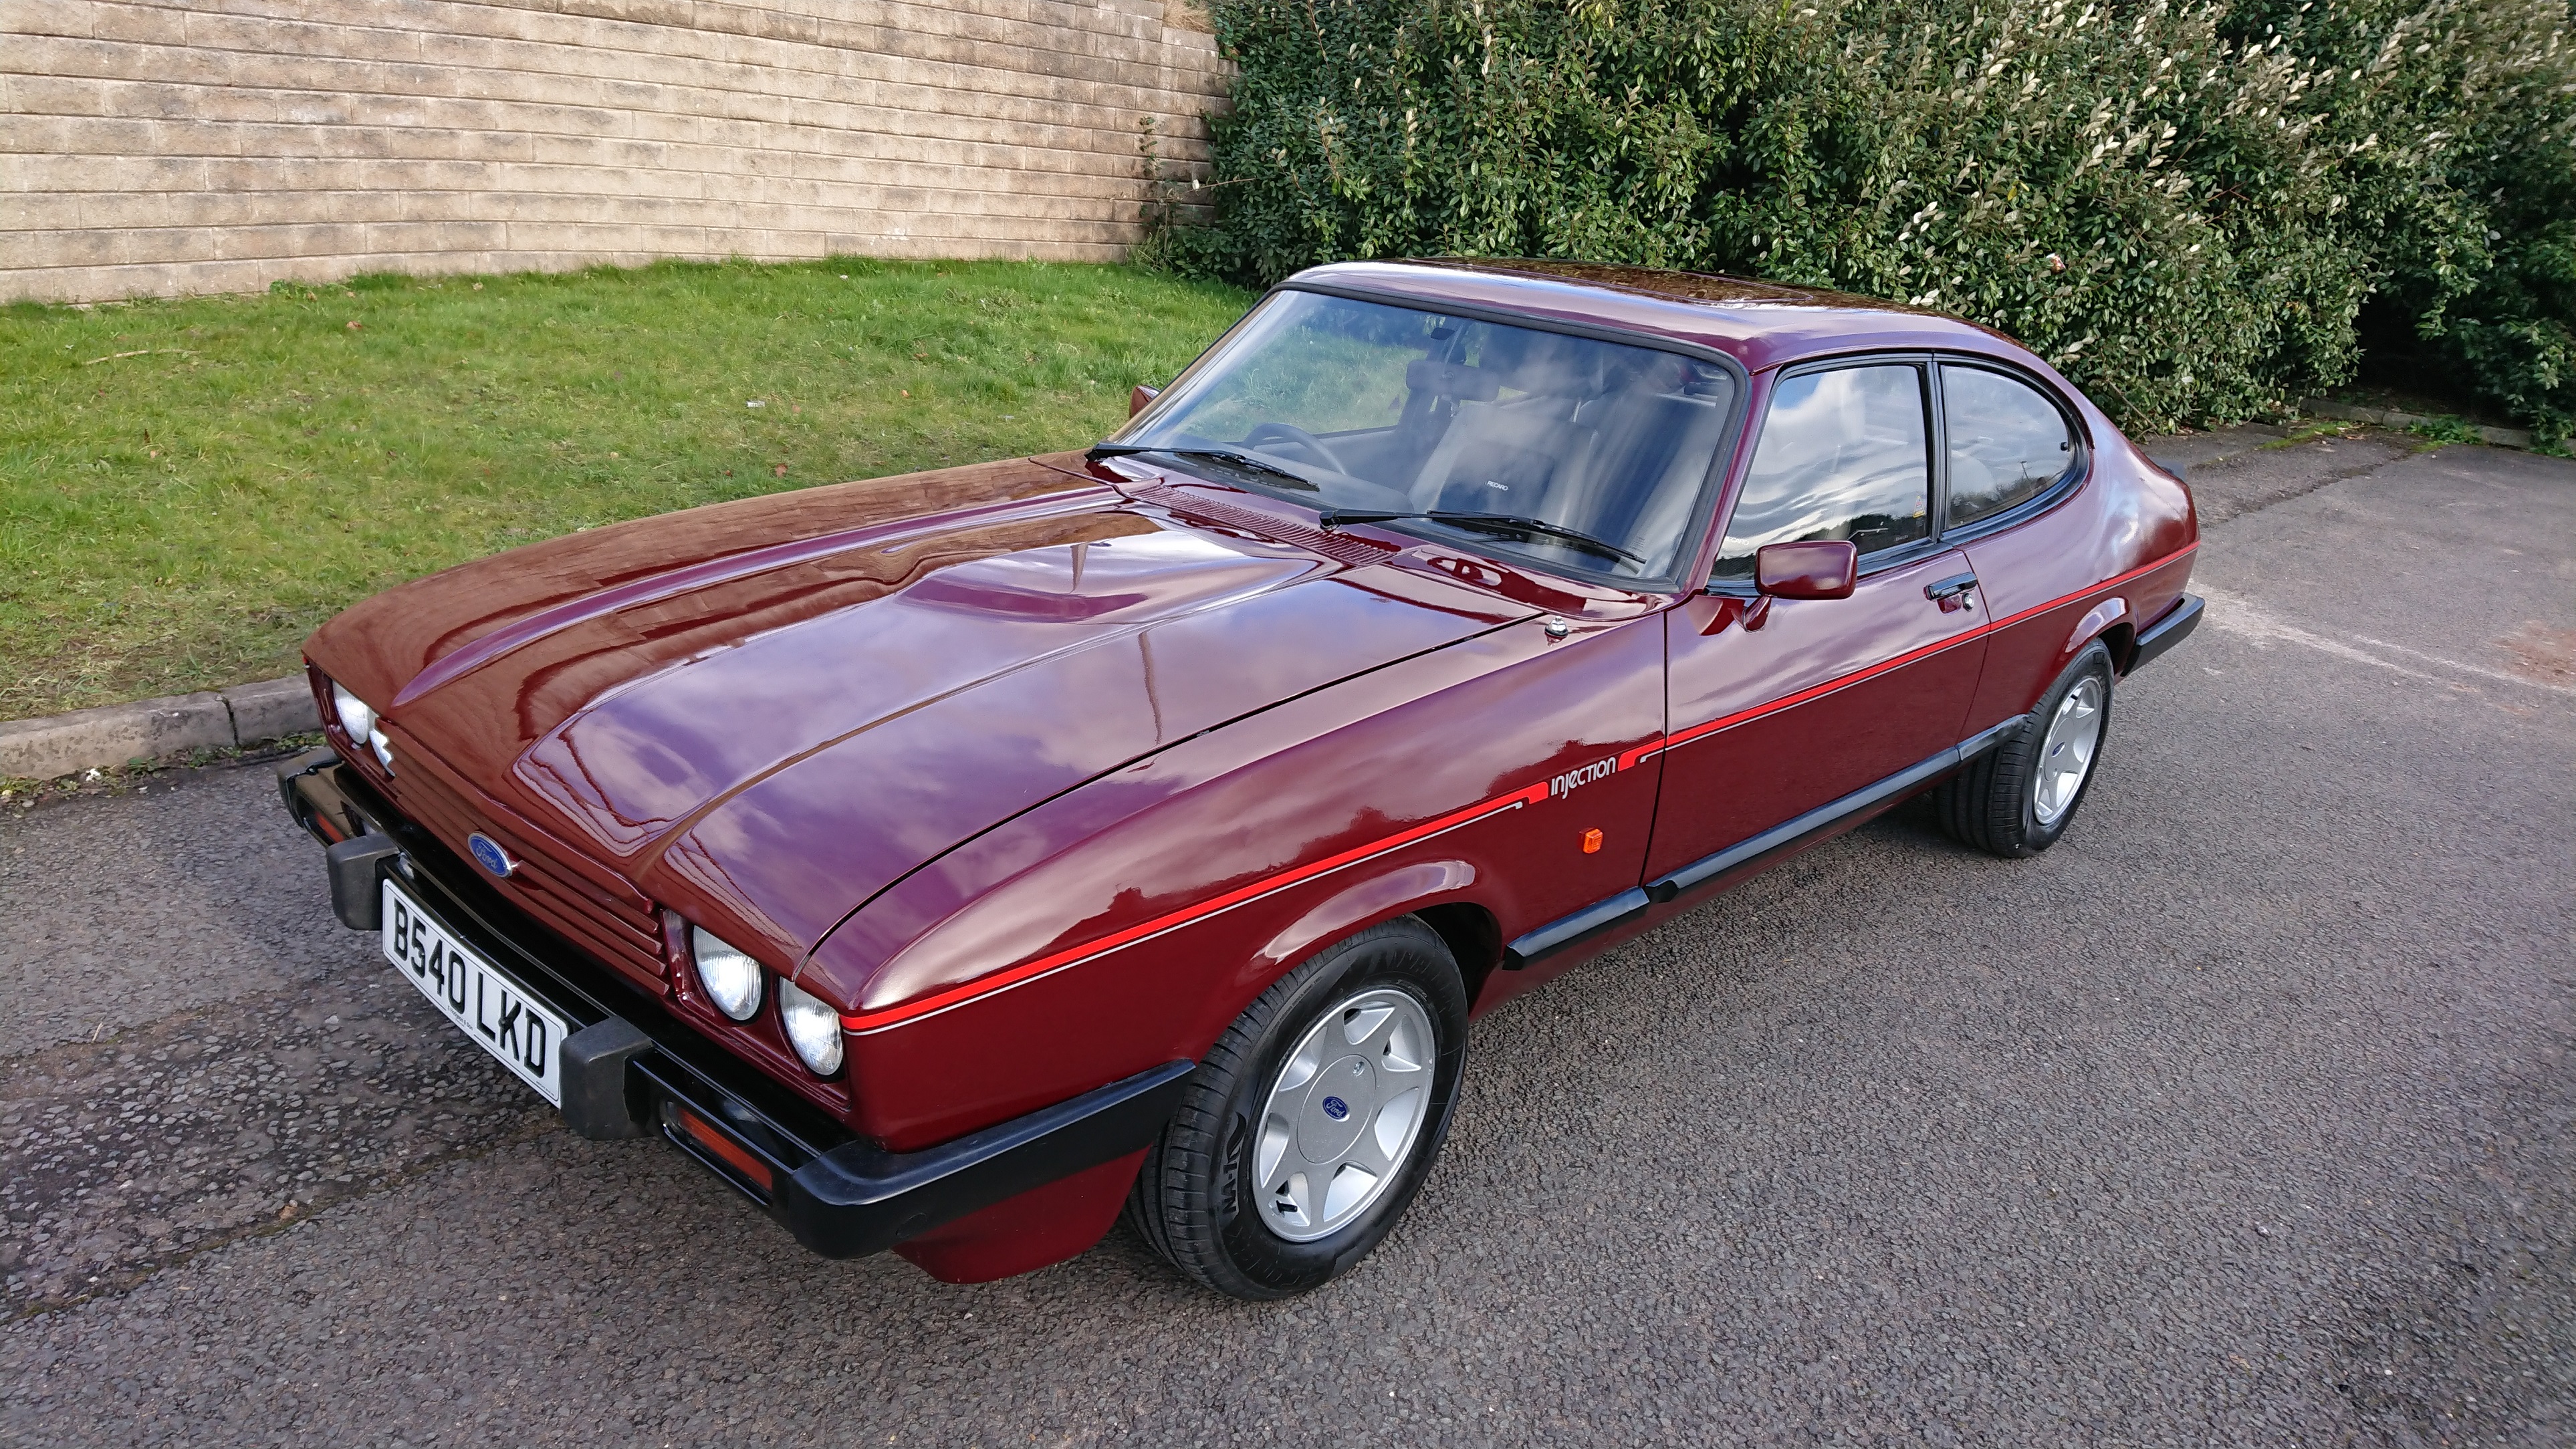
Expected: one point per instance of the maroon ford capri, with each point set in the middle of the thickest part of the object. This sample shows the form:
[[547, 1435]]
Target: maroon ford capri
[[952, 861]]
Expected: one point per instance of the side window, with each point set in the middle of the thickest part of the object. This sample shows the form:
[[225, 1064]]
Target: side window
[[1844, 454], [2007, 442]]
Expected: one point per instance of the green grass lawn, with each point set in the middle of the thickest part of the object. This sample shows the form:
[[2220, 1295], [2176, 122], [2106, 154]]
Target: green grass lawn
[[188, 488]]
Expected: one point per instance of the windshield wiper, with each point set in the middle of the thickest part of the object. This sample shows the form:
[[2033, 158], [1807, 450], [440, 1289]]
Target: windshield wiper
[[1222, 455], [1500, 522]]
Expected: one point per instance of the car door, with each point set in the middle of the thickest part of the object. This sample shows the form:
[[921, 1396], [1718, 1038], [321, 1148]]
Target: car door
[[1779, 712], [2011, 450]]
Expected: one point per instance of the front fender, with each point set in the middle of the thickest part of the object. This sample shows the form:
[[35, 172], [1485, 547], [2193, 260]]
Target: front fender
[[1128, 922], [1365, 903]]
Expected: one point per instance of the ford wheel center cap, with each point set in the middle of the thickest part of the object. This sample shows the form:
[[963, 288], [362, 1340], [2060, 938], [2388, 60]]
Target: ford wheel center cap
[[490, 855]]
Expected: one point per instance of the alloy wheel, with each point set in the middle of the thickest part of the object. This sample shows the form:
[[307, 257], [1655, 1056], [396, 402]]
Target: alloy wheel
[[1344, 1114], [2066, 756]]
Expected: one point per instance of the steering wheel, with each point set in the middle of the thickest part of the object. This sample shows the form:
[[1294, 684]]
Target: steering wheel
[[1298, 440]]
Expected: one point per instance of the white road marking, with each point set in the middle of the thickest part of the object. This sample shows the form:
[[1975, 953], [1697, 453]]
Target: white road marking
[[2497, 674], [2235, 614], [2238, 615]]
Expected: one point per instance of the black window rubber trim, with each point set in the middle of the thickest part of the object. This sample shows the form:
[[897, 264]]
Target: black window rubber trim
[[1936, 477], [1944, 536], [2078, 468], [1618, 910]]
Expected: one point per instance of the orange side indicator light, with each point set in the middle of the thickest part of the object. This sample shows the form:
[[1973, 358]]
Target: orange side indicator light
[[1592, 842], [730, 1152]]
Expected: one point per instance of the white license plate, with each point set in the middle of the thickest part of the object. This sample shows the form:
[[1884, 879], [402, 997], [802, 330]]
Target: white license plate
[[485, 1002]]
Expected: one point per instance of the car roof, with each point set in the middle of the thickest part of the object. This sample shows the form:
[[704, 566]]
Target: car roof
[[1759, 324]]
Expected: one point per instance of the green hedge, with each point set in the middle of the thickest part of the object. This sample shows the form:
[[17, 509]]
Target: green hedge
[[2186, 208]]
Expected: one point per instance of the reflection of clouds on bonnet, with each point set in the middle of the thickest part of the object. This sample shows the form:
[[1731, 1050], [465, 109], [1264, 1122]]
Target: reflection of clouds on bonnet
[[1106, 581]]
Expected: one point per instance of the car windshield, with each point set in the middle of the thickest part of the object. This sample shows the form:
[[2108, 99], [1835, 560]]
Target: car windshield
[[1581, 455]]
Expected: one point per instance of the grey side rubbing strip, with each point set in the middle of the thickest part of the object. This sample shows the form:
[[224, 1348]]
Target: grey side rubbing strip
[[1600, 916], [1558, 934], [1823, 817], [1984, 740]]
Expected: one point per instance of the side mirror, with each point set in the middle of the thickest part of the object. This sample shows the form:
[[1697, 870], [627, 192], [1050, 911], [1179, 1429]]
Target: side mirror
[[1815, 568], [1138, 396]]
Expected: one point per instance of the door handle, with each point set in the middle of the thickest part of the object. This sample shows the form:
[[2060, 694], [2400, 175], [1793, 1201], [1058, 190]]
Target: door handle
[[1953, 593]]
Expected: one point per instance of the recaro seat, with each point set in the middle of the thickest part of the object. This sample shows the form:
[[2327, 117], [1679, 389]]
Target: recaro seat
[[1507, 455]]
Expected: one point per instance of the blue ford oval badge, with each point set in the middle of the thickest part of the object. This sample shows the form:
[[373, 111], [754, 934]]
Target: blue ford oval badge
[[489, 855], [1336, 1108]]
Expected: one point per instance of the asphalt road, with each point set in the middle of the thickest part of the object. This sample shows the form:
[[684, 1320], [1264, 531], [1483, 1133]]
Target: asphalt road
[[2244, 1116]]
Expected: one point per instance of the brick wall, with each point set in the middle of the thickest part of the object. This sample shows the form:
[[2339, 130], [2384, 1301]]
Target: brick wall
[[175, 146]]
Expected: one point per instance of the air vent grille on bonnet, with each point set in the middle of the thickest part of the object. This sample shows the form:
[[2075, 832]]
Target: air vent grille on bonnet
[[1266, 527]]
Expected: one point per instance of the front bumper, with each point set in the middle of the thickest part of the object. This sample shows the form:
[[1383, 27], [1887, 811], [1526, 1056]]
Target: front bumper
[[631, 1069]]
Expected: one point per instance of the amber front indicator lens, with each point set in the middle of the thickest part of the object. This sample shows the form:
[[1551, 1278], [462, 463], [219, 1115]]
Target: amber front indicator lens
[[813, 1028], [731, 1153], [730, 979]]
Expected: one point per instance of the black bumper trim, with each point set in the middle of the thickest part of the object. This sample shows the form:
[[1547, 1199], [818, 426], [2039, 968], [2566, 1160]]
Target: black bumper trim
[[628, 1061], [2165, 633], [857, 1199], [598, 1097], [579, 988], [296, 768], [357, 870]]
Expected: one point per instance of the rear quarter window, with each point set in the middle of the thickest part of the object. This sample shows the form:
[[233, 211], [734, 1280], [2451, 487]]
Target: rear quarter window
[[2007, 442]]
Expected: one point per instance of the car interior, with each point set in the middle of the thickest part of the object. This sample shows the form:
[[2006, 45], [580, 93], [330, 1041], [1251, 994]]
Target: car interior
[[1605, 440]]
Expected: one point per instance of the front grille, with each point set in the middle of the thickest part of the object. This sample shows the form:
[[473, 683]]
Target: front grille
[[587, 907], [792, 1119]]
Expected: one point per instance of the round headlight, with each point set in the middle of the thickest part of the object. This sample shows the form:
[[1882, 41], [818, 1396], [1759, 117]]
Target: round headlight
[[813, 1028], [360, 722], [355, 717], [731, 979]]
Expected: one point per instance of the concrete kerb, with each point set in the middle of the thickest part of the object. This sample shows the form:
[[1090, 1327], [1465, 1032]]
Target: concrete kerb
[[2390, 418], [113, 734]]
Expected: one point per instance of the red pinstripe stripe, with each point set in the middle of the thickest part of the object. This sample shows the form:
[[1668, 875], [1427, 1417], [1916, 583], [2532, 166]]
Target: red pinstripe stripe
[[1027, 971], [1788, 701], [2135, 573]]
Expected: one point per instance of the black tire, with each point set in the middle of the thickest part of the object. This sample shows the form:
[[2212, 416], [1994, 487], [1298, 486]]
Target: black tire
[[1993, 802], [1191, 1202]]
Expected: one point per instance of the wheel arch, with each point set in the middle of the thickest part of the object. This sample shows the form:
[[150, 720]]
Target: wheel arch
[[1435, 891], [2110, 623], [2122, 640], [1475, 938]]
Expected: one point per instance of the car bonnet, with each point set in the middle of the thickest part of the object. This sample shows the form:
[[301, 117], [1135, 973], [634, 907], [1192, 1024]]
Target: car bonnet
[[780, 743]]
